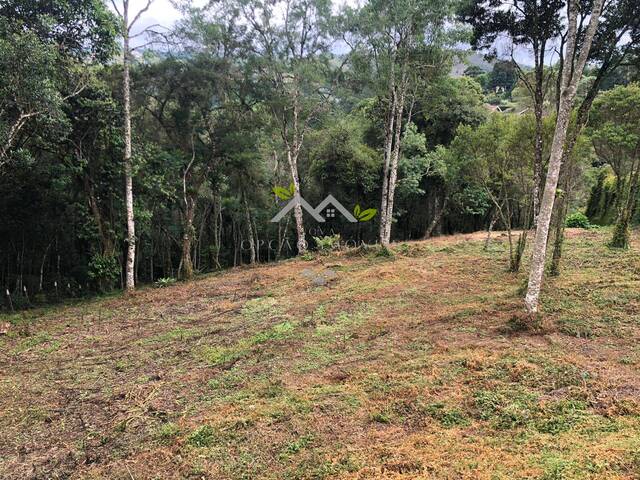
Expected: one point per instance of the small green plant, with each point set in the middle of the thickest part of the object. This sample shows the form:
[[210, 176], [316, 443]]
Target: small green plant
[[164, 282], [380, 417], [202, 437], [327, 243], [448, 418], [104, 270], [167, 432], [578, 220]]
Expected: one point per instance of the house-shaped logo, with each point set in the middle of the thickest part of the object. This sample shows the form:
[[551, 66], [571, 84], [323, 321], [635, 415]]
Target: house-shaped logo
[[329, 208]]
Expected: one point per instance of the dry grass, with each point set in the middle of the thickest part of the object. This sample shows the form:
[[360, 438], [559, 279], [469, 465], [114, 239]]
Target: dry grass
[[402, 368]]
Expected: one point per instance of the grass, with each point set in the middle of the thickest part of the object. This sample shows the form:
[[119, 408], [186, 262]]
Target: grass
[[413, 363]]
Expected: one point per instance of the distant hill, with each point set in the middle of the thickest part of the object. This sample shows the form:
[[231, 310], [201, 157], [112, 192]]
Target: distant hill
[[467, 59]]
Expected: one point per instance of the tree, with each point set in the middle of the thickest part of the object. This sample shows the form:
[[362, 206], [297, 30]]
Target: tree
[[291, 43], [127, 24], [534, 24], [615, 44], [503, 77], [577, 55], [402, 44], [616, 137], [45, 50]]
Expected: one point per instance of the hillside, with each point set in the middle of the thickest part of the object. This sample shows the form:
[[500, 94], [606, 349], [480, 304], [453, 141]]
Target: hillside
[[348, 366]]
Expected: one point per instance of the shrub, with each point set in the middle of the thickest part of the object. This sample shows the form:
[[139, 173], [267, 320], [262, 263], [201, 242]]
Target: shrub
[[164, 282], [104, 270], [578, 220], [328, 243]]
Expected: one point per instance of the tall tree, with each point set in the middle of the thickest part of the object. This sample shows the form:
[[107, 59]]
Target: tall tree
[[615, 44], [616, 138], [531, 23], [291, 43], [403, 44], [576, 55], [128, 22]]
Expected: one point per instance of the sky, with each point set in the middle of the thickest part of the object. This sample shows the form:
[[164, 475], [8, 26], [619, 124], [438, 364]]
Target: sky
[[163, 12]]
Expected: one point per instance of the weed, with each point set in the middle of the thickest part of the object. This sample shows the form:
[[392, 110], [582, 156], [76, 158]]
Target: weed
[[447, 417], [164, 282], [296, 446], [381, 417], [203, 436], [167, 432]]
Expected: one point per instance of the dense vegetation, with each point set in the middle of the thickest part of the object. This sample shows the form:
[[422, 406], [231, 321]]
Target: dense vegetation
[[247, 97]]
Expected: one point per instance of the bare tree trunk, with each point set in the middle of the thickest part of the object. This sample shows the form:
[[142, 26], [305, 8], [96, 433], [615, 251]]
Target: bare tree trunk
[[492, 222], [185, 271], [128, 169], [537, 162], [252, 246], [571, 77], [388, 150], [393, 171], [439, 213], [44, 257]]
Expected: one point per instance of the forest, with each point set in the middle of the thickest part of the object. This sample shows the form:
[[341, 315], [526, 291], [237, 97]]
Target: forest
[[133, 153], [320, 239]]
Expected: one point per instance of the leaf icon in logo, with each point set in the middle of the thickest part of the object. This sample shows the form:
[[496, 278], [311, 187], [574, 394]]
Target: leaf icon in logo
[[366, 215], [282, 193], [356, 211]]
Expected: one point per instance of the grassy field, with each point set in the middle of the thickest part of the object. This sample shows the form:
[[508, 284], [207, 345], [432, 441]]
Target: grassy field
[[414, 365]]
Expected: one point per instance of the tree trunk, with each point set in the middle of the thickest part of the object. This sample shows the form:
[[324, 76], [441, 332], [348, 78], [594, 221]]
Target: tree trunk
[[252, 246], [297, 209], [393, 171], [571, 77], [561, 213], [492, 222], [388, 149], [537, 162], [439, 213], [186, 264], [128, 169], [621, 231]]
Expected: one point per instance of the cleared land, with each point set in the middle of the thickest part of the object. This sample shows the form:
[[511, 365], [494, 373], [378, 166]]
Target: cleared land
[[410, 366]]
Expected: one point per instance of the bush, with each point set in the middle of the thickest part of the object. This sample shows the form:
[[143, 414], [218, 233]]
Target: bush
[[328, 243], [578, 220], [164, 282], [104, 270]]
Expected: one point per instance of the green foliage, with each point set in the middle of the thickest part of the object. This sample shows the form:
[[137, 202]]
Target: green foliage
[[203, 436], [615, 133], [165, 282], [578, 220], [284, 193], [327, 243], [104, 270]]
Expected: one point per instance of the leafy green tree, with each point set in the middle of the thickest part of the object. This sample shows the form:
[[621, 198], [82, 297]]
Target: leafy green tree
[[616, 137], [529, 23], [402, 44], [291, 50], [503, 77]]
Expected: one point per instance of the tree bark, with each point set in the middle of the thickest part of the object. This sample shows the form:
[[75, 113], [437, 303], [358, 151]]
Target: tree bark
[[252, 246], [571, 77], [393, 170], [128, 169], [388, 150], [439, 213]]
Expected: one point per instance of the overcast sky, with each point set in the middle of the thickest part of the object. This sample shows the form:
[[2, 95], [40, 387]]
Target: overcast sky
[[164, 13]]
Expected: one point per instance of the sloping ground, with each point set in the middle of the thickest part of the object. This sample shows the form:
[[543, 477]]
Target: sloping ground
[[403, 367]]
